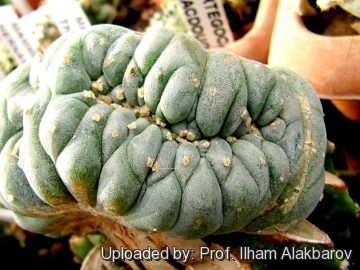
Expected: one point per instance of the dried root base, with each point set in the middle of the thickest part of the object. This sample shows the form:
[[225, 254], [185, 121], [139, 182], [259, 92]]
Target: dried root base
[[120, 236]]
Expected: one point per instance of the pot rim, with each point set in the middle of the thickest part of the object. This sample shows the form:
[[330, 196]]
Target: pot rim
[[330, 64]]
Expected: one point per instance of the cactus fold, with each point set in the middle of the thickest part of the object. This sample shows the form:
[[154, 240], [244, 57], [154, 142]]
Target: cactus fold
[[157, 133]]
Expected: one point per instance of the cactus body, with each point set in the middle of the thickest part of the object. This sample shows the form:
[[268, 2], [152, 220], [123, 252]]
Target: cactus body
[[160, 135]]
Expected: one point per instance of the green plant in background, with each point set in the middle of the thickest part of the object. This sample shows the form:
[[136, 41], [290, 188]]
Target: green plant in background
[[169, 16], [100, 11], [7, 62], [44, 32], [5, 2], [82, 243], [336, 212]]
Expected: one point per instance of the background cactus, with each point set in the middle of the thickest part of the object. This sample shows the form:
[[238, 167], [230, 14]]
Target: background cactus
[[240, 15], [82, 243], [44, 32], [7, 62], [169, 15], [100, 11], [37, 251]]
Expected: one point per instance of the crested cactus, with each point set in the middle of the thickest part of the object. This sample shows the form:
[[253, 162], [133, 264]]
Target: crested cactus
[[160, 135]]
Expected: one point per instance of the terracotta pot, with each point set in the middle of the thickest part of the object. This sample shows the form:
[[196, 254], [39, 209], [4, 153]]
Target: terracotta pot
[[255, 44], [330, 64], [34, 3], [25, 7]]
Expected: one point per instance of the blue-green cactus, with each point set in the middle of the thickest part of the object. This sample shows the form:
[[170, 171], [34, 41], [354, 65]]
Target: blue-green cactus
[[157, 133]]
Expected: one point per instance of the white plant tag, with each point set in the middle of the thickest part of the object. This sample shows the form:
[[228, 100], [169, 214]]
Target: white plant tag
[[67, 15], [206, 20], [16, 39]]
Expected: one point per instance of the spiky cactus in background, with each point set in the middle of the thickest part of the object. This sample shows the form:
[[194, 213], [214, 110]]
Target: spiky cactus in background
[[44, 32], [168, 16], [100, 11], [7, 62], [134, 14]]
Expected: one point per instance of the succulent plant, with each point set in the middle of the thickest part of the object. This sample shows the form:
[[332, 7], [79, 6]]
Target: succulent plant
[[158, 134], [5, 2], [280, 244], [7, 62], [82, 243], [240, 15], [99, 11], [169, 16], [44, 32]]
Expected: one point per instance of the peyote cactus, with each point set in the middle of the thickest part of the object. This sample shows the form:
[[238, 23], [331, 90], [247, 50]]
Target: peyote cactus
[[158, 134]]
